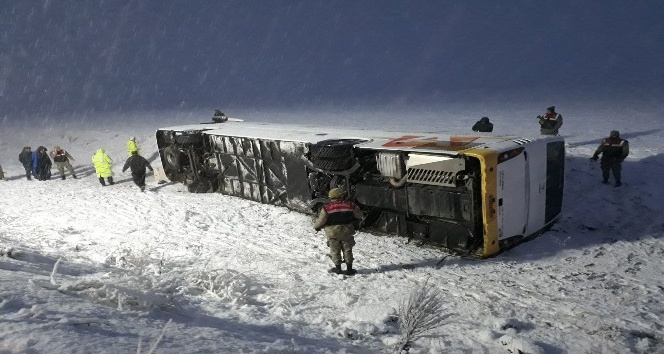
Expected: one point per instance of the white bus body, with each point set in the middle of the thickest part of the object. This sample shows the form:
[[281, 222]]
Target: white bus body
[[472, 194]]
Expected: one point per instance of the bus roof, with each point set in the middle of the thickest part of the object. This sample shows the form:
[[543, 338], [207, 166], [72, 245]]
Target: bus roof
[[422, 142]]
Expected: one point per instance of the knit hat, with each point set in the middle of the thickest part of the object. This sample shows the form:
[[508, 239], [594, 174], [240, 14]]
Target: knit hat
[[552, 109], [614, 134]]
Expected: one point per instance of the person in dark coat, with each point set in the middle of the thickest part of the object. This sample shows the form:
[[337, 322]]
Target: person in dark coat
[[41, 164], [483, 125], [550, 122], [219, 116], [139, 166], [614, 150], [339, 218], [25, 157]]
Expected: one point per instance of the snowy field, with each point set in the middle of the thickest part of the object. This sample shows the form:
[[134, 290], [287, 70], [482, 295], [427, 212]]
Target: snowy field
[[86, 269]]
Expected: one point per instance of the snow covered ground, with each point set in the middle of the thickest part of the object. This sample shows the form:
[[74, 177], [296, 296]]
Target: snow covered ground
[[86, 269]]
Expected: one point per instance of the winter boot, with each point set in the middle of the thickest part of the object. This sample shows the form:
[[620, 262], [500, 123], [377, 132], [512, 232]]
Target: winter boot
[[618, 184], [336, 269], [110, 181], [101, 180], [63, 177], [74, 177], [349, 269]]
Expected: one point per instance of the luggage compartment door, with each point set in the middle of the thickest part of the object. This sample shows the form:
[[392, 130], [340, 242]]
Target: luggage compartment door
[[512, 196]]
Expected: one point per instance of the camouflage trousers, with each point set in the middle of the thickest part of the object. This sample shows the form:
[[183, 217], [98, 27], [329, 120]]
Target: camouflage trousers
[[339, 246], [61, 167]]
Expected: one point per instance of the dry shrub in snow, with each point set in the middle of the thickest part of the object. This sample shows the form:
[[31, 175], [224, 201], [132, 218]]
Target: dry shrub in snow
[[230, 286], [420, 313]]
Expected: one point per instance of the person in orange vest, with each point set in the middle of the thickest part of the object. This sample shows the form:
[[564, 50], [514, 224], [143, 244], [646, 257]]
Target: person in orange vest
[[550, 122], [61, 158], [338, 218], [614, 150]]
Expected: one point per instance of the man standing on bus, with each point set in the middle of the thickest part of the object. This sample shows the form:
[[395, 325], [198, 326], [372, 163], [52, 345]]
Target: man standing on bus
[[483, 125], [614, 151], [550, 122]]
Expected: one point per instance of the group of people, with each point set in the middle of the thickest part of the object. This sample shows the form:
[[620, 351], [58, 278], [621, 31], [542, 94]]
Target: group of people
[[137, 163], [38, 164], [613, 149], [549, 123], [340, 217]]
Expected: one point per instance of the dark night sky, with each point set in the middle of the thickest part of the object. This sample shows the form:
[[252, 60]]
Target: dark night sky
[[73, 56]]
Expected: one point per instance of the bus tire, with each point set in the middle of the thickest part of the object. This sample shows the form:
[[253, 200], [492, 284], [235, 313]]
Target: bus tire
[[172, 158], [339, 164], [333, 149]]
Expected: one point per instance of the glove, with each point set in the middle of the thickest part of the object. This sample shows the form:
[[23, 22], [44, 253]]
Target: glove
[[594, 158], [539, 117], [317, 229]]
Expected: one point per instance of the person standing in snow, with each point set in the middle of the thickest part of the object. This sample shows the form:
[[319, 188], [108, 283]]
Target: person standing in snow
[[132, 146], [483, 125], [614, 150], [338, 218], [61, 158], [139, 166], [25, 157], [103, 167], [41, 164], [550, 122]]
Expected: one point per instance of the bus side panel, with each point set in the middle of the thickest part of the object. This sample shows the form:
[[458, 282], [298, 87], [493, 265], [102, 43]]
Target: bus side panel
[[537, 171], [512, 202]]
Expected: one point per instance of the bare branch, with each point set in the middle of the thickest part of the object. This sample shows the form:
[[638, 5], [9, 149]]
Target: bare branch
[[421, 313]]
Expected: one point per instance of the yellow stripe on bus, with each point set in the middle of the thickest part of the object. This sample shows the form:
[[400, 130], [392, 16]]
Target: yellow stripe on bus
[[488, 160]]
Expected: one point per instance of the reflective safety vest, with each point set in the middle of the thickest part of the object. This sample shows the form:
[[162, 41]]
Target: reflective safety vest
[[550, 120], [60, 156], [339, 212]]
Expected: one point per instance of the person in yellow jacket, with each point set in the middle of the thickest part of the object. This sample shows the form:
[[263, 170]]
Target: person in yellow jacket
[[102, 163], [132, 146]]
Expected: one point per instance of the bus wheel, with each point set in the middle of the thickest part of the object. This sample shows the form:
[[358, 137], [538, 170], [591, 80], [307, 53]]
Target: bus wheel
[[333, 148], [172, 158]]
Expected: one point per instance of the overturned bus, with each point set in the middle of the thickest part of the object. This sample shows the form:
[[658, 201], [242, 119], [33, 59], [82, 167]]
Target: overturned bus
[[474, 195]]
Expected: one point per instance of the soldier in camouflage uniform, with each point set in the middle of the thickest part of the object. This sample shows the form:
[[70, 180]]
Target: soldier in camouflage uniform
[[550, 122], [338, 218], [614, 151]]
